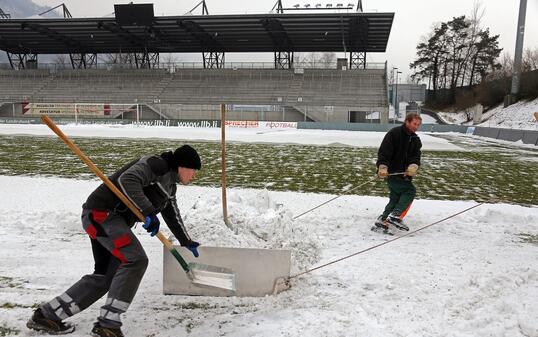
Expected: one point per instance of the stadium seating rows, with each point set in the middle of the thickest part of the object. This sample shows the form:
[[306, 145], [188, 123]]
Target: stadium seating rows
[[364, 89]]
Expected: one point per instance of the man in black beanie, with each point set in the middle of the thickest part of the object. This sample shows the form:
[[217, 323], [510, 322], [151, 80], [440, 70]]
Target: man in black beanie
[[150, 183]]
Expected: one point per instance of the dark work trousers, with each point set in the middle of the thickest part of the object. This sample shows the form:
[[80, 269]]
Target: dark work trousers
[[402, 194], [120, 263]]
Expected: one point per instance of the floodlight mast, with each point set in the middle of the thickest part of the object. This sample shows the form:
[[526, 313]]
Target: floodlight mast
[[67, 14]]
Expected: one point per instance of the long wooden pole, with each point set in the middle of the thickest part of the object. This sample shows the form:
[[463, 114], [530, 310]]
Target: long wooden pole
[[114, 189], [223, 164]]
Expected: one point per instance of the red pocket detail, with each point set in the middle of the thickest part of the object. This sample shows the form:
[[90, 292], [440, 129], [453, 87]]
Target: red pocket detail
[[99, 216]]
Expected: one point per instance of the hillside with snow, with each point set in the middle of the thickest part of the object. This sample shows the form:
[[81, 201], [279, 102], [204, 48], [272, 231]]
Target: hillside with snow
[[520, 115]]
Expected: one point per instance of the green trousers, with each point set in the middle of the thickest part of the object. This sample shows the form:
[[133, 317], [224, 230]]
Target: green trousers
[[402, 193]]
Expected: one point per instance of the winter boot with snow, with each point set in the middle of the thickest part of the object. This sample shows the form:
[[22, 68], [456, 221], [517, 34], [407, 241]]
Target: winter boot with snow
[[99, 331], [394, 220], [381, 226], [380, 222], [54, 327]]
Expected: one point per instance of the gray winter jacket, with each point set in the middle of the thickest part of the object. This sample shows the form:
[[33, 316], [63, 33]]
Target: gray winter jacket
[[151, 185]]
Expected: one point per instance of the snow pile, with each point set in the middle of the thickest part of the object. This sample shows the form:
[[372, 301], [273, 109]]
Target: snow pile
[[257, 222], [456, 117]]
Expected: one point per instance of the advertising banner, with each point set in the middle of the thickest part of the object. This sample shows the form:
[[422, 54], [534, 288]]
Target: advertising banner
[[59, 109]]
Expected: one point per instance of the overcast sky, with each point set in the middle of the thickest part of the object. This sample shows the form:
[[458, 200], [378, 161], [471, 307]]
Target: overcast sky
[[413, 19]]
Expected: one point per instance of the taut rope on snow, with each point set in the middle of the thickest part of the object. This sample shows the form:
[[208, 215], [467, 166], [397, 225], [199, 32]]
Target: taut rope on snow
[[351, 190], [383, 243]]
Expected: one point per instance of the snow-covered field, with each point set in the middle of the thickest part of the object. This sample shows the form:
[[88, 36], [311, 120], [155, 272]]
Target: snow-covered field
[[472, 275], [469, 276], [281, 136]]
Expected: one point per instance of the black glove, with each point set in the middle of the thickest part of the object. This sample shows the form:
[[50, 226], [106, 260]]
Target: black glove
[[152, 224]]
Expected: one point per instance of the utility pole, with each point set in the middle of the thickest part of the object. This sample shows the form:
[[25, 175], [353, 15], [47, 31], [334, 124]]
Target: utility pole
[[516, 76], [397, 106], [394, 70]]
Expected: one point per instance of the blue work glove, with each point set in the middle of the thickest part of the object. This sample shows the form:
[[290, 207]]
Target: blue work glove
[[152, 224], [193, 247]]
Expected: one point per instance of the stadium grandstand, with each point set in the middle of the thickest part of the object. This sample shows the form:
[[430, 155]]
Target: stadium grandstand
[[142, 87]]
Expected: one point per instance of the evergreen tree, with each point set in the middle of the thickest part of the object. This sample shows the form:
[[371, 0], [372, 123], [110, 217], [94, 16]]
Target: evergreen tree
[[456, 52]]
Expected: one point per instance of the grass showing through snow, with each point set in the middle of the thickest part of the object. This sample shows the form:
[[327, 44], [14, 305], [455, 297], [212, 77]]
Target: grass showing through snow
[[484, 173]]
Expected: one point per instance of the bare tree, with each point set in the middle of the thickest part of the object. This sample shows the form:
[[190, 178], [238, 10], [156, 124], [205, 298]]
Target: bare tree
[[471, 54], [507, 64], [315, 59], [60, 61], [300, 58], [530, 59], [327, 58], [169, 59], [118, 58], [409, 79]]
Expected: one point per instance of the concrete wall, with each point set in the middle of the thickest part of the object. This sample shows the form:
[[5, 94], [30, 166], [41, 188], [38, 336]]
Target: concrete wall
[[377, 127], [408, 92], [512, 135]]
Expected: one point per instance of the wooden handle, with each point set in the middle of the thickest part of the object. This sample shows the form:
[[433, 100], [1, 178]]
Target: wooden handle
[[223, 160], [92, 167]]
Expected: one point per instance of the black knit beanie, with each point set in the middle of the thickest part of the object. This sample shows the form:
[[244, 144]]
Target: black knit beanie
[[184, 156]]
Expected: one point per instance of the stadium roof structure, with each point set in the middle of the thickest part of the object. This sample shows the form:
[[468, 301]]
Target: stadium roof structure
[[327, 32]]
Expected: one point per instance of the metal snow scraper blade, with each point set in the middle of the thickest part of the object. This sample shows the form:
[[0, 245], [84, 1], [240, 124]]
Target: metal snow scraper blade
[[202, 274], [198, 273], [212, 276]]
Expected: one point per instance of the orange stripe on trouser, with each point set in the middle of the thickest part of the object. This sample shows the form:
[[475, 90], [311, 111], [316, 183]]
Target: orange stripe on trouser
[[406, 210]]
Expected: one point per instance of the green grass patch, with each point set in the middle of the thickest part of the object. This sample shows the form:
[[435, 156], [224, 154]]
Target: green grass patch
[[9, 282], [529, 238], [7, 331], [486, 172], [9, 305]]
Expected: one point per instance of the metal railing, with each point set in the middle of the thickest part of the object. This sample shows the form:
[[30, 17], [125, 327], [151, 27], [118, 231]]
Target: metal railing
[[170, 66]]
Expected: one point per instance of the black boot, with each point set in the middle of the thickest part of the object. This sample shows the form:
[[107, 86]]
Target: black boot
[[99, 331], [54, 327], [380, 222], [381, 226], [394, 219]]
